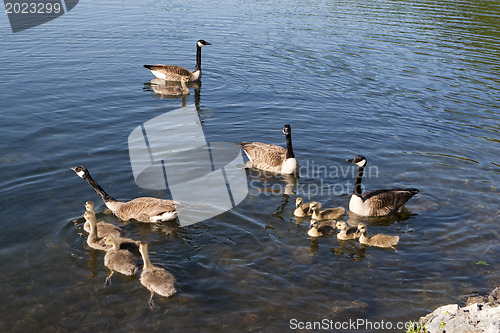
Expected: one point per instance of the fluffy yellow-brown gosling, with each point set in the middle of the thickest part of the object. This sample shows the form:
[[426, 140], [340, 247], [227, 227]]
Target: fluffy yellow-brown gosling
[[347, 232], [121, 261], [321, 228], [378, 240], [302, 208], [103, 228], [155, 279], [326, 214]]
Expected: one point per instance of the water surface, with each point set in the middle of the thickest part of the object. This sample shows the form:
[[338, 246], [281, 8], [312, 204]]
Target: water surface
[[413, 87]]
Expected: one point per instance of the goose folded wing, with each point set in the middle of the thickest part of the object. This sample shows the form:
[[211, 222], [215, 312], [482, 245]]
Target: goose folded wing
[[145, 209]]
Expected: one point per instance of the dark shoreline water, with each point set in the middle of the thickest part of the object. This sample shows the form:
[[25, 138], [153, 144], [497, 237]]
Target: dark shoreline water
[[413, 87]]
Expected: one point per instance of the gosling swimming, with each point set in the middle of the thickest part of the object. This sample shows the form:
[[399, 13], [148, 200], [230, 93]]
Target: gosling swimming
[[347, 232], [121, 261], [378, 240], [93, 240], [302, 208], [326, 214], [321, 228], [103, 228], [155, 279]]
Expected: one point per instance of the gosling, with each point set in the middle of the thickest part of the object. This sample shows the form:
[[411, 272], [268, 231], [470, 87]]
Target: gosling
[[155, 279], [347, 232], [103, 228], [93, 240], [301, 208], [326, 214], [321, 228], [121, 261], [378, 240]]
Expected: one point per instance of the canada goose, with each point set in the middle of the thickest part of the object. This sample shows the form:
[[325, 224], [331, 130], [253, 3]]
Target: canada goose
[[144, 209], [175, 73], [272, 158], [326, 214], [321, 228], [347, 232], [103, 228], [155, 279], [93, 240], [378, 202], [302, 208], [121, 261], [378, 240]]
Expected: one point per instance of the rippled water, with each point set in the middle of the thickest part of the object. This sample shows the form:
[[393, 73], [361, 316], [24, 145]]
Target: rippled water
[[412, 86]]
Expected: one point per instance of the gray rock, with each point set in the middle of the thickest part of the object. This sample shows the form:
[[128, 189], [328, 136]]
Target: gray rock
[[480, 316]]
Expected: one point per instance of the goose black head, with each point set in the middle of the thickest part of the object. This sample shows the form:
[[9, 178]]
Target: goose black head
[[81, 171], [287, 130], [201, 42], [359, 160]]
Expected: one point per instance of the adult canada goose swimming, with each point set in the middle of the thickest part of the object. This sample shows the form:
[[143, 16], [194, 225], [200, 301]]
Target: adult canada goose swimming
[[175, 73], [143, 209], [347, 232], [326, 214], [378, 240], [155, 279], [378, 202], [272, 158], [321, 228], [117, 260], [302, 208], [103, 228]]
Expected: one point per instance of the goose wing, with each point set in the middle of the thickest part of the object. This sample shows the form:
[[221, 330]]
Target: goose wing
[[264, 156], [384, 202], [148, 209], [169, 72]]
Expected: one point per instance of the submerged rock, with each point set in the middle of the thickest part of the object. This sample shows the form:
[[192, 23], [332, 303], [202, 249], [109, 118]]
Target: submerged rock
[[481, 314]]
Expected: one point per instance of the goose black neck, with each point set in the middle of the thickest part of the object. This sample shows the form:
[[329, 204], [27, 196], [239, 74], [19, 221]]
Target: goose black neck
[[198, 58], [289, 149], [104, 196], [359, 178]]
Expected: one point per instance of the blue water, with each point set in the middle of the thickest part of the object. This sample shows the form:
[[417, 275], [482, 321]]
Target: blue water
[[413, 87]]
